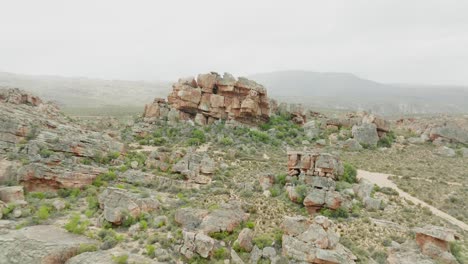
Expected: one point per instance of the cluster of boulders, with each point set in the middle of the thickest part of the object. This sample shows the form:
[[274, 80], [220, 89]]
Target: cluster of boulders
[[318, 172], [436, 130], [52, 147], [211, 97], [196, 167], [313, 241]]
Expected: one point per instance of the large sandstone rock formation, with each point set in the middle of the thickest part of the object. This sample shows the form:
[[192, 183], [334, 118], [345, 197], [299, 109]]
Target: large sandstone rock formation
[[211, 97], [314, 163], [313, 241], [40, 244]]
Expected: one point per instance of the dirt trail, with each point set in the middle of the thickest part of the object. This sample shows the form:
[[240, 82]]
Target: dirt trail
[[382, 180]]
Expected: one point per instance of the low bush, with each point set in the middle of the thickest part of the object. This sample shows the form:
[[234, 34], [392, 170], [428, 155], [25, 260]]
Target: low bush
[[349, 174], [76, 226]]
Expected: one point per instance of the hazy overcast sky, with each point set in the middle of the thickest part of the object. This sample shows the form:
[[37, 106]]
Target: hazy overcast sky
[[412, 41]]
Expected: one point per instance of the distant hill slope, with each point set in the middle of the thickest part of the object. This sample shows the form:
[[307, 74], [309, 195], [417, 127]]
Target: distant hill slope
[[85, 92], [347, 91]]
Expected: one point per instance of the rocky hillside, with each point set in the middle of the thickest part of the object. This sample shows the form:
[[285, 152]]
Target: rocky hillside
[[246, 186]]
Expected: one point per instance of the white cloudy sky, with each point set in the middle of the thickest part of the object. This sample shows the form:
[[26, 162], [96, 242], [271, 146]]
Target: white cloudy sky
[[410, 41]]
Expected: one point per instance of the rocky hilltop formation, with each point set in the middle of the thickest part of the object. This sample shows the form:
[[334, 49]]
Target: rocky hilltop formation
[[211, 97], [52, 148]]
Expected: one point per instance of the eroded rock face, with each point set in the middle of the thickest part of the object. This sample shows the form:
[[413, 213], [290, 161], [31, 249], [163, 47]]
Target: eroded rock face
[[313, 241], [211, 97], [42, 177], [118, 203], [40, 244]]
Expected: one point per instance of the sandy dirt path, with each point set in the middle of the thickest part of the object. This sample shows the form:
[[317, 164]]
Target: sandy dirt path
[[381, 179]]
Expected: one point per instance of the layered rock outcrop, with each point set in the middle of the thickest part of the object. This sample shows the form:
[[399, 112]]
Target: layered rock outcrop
[[211, 97], [433, 241]]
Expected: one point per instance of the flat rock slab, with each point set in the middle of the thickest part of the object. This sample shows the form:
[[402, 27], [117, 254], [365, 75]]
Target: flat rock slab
[[43, 244]]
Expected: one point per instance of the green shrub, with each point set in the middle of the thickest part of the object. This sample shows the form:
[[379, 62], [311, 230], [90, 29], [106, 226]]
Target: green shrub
[[122, 259], [220, 254], [143, 225], [8, 209], [76, 226], [387, 140], [87, 248], [275, 191], [456, 250], [43, 212], [197, 137], [45, 153], [301, 191], [350, 173], [281, 179], [227, 141], [38, 195], [250, 224], [150, 251], [338, 213], [259, 136], [263, 240]]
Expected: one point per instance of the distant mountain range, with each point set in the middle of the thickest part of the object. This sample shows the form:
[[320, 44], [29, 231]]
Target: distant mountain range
[[347, 91], [338, 91], [87, 92]]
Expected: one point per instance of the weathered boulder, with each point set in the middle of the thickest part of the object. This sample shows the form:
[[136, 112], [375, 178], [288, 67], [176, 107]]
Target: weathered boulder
[[433, 241], [464, 152], [245, 239], [445, 152], [40, 244], [372, 203], [311, 129], [351, 144], [118, 204], [366, 134], [363, 189], [316, 244], [11, 194]]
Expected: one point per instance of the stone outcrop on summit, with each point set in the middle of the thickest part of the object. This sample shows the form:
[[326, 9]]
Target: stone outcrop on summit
[[212, 97]]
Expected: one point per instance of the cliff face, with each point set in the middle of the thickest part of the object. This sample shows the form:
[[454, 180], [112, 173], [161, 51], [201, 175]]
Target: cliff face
[[211, 97]]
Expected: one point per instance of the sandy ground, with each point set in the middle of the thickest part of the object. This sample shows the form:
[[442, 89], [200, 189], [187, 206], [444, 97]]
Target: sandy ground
[[381, 179]]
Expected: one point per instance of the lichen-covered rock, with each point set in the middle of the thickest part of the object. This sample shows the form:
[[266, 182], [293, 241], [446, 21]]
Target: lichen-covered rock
[[118, 204], [40, 244], [366, 134], [245, 239]]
